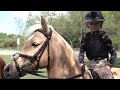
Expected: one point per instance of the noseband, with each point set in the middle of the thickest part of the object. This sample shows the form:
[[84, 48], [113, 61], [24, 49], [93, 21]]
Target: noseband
[[36, 57]]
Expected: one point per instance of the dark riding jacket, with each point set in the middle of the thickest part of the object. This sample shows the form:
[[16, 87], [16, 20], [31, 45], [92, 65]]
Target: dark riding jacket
[[97, 46]]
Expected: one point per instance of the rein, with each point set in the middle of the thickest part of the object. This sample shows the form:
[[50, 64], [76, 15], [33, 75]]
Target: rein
[[79, 75]]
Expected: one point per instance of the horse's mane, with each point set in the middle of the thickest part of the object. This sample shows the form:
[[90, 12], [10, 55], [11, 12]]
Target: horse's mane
[[61, 38]]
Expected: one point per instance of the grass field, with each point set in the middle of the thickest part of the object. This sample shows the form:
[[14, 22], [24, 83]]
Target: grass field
[[7, 59]]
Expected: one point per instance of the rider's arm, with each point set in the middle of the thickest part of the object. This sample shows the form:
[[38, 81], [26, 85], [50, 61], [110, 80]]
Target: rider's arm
[[111, 50], [82, 51]]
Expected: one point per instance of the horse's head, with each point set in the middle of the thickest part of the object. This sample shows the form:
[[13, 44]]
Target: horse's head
[[34, 54]]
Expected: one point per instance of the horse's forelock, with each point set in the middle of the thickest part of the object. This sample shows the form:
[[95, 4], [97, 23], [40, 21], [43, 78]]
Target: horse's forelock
[[32, 29], [35, 27]]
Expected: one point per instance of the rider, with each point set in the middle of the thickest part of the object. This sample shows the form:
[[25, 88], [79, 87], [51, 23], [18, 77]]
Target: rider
[[97, 45]]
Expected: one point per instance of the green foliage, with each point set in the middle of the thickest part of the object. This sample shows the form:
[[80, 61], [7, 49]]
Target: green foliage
[[10, 40], [20, 25], [31, 20], [72, 27], [116, 42]]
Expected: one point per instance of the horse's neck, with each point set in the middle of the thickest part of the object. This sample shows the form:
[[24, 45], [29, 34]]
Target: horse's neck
[[64, 63]]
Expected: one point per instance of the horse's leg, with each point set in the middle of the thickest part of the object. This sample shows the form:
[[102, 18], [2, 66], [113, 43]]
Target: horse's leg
[[2, 65]]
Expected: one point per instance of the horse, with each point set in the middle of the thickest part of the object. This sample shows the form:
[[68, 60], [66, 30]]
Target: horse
[[45, 48], [2, 65]]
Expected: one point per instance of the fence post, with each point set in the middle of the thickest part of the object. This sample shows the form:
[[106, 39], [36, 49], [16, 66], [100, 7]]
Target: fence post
[[18, 43]]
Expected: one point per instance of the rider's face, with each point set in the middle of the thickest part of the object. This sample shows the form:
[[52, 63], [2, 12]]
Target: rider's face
[[94, 25]]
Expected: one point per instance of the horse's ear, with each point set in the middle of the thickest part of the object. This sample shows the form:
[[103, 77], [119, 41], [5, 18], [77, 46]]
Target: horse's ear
[[44, 24]]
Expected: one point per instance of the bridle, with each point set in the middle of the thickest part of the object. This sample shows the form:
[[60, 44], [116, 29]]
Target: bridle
[[36, 57]]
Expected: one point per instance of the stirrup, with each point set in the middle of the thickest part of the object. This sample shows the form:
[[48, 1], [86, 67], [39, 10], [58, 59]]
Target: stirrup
[[90, 74]]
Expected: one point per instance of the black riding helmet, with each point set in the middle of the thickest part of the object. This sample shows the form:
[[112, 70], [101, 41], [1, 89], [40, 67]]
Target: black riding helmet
[[94, 16]]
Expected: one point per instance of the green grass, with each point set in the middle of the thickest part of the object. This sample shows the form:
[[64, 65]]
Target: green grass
[[7, 58]]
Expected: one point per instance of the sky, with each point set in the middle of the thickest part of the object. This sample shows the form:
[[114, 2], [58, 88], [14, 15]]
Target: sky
[[7, 21]]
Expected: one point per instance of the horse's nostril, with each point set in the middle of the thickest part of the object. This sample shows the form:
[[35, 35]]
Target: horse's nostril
[[7, 69]]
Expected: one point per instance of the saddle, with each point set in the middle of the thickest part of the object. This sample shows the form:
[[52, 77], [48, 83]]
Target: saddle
[[92, 73]]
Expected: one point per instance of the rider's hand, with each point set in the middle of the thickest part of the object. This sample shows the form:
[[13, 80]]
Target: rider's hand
[[85, 72], [86, 68], [106, 71], [81, 59]]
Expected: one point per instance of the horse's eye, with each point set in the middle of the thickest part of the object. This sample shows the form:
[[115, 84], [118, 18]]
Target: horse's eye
[[35, 44]]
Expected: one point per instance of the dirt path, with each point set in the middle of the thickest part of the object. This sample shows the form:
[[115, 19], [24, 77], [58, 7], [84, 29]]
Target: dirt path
[[7, 52], [116, 72]]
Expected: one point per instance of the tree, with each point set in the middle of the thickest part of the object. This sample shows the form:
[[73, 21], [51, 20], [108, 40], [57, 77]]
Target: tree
[[20, 25], [31, 20], [72, 27]]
